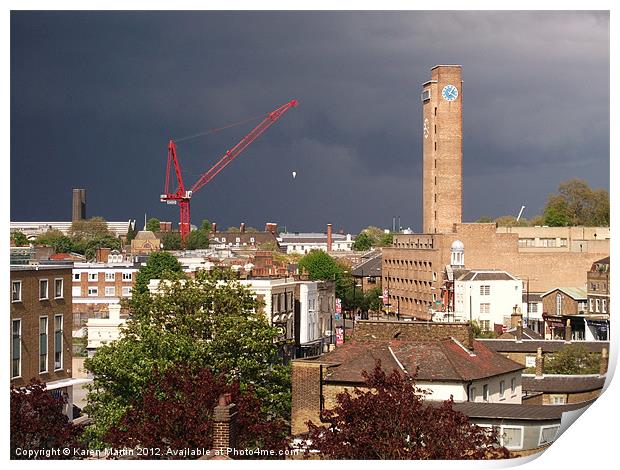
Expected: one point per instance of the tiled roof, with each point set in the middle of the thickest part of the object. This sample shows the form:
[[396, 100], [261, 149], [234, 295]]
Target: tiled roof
[[441, 360], [510, 345], [562, 383], [516, 411], [369, 267]]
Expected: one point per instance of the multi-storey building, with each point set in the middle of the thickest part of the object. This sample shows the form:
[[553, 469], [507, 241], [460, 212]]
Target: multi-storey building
[[416, 268], [597, 320], [95, 286], [303, 243], [564, 307], [41, 324], [486, 296]]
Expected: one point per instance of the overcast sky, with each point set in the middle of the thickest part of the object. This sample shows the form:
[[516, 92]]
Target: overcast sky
[[96, 96]]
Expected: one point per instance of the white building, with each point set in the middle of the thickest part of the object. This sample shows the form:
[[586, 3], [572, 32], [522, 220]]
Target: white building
[[487, 296], [34, 229], [303, 243], [103, 331]]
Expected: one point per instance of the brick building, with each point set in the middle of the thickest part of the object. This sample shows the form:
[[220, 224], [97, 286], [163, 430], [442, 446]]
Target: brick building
[[597, 320], [96, 286], [449, 362], [563, 312], [416, 266], [41, 325]]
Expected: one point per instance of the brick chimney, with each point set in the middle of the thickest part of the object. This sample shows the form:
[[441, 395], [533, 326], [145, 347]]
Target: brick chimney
[[224, 425], [540, 364], [271, 227], [242, 227], [470, 337], [214, 227], [329, 237], [568, 332], [101, 254], [516, 321], [604, 363]]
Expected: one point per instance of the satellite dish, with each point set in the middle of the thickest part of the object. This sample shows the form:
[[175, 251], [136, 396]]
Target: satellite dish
[[294, 174]]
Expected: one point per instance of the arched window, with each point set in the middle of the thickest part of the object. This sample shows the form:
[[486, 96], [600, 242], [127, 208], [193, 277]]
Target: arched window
[[558, 304]]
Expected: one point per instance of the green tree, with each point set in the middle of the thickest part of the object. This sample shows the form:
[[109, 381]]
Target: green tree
[[131, 233], [386, 239], [106, 241], [49, 238], [19, 239], [484, 220], [320, 266], [373, 298], [576, 204], [159, 264], [82, 231], [206, 225], [195, 322], [197, 239], [572, 359], [556, 212], [63, 244], [363, 242], [171, 240], [152, 224]]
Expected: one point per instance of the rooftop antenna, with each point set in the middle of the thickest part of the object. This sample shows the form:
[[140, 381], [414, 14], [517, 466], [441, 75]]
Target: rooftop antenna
[[520, 213], [145, 221]]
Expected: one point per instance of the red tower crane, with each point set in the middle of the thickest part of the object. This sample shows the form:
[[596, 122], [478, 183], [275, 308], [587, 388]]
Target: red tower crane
[[182, 195]]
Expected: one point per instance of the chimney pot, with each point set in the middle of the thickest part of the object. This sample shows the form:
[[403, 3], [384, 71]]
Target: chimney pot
[[242, 228]]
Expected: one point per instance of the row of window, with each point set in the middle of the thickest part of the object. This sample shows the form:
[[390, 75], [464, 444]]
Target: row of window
[[109, 291], [237, 239], [416, 284], [282, 302], [502, 391], [598, 305], [16, 345], [108, 276], [423, 265], [16, 289], [511, 437], [543, 242]]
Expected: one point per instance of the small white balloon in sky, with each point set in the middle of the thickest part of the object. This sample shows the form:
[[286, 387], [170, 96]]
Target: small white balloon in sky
[[294, 174]]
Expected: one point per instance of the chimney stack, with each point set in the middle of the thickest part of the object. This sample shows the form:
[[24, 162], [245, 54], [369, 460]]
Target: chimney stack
[[568, 332], [224, 425], [213, 227], [540, 364], [271, 227], [470, 337], [329, 237], [516, 321], [242, 227], [604, 363], [102, 254]]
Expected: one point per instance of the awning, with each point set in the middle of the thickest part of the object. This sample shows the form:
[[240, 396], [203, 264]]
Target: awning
[[66, 383]]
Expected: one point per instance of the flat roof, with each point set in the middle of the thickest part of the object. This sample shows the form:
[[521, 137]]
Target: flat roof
[[40, 267]]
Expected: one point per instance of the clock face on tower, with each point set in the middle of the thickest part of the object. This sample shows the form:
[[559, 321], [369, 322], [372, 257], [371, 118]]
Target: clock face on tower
[[449, 93]]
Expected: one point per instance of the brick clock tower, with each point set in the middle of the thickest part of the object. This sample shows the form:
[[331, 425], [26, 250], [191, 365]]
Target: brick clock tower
[[442, 128]]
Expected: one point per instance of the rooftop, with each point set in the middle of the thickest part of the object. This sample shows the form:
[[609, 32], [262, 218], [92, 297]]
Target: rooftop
[[562, 383], [529, 345], [434, 360], [516, 411], [576, 293]]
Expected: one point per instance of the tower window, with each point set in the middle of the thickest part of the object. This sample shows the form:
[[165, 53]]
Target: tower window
[[435, 145], [435, 110], [435, 163], [435, 180], [435, 199], [435, 215], [435, 128]]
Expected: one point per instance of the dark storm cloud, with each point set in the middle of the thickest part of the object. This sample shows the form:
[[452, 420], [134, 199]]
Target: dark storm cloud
[[95, 96]]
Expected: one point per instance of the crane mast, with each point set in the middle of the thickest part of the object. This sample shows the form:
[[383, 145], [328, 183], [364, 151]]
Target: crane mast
[[182, 196]]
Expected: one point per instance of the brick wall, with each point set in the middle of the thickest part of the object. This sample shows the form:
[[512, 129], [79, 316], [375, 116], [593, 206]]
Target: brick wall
[[306, 395], [29, 310]]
